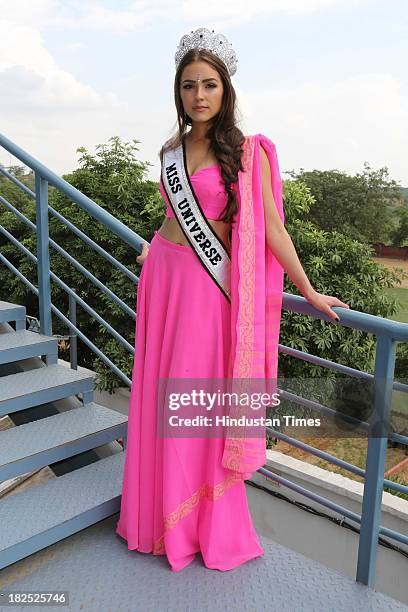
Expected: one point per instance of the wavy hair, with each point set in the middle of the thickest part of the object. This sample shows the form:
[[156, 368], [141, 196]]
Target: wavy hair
[[225, 137]]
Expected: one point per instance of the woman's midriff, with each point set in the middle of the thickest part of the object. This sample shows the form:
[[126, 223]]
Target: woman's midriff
[[171, 230]]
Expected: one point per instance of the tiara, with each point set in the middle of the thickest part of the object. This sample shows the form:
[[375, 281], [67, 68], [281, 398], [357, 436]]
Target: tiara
[[204, 39]]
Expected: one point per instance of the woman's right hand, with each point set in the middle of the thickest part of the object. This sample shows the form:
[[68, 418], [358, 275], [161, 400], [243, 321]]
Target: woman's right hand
[[145, 251]]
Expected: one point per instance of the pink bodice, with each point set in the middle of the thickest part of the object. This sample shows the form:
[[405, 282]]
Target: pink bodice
[[209, 189]]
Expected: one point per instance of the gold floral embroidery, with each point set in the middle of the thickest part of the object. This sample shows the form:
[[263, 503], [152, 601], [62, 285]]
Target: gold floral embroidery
[[158, 547], [210, 492], [234, 447]]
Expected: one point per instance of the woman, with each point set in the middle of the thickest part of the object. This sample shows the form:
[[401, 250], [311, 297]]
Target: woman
[[208, 307]]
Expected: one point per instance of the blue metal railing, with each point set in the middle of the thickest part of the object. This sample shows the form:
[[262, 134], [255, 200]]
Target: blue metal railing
[[43, 177], [387, 333]]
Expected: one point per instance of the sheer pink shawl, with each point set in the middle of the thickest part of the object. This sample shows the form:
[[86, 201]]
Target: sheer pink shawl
[[256, 297]]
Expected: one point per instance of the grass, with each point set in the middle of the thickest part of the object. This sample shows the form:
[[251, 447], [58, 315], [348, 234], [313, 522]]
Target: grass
[[402, 296], [352, 450]]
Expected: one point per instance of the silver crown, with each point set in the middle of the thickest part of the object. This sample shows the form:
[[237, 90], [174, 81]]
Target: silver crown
[[204, 39]]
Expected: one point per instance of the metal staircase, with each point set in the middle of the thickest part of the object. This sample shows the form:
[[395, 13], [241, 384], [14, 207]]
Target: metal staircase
[[35, 518]]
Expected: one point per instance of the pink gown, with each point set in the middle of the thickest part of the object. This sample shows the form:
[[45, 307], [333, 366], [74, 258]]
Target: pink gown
[[177, 498]]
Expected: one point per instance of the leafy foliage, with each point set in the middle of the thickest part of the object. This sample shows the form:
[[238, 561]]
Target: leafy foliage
[[337, 265], [399, 236], [359, 204], [116, 181], [12, 288]]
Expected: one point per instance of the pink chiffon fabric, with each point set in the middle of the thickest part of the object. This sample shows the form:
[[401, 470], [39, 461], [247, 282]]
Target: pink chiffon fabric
[[209, 189], [256, 300], [181, 496]]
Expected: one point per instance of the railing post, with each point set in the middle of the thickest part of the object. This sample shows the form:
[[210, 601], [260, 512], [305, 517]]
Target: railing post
[[43, 255], [375, 463], [73, 344]]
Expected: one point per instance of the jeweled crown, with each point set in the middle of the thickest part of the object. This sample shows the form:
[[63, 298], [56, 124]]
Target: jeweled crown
[[204, 39]]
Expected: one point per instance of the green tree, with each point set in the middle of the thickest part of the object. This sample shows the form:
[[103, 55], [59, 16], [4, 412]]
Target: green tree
[[115, 179], [399, 236], [12, 288], [357, 206], [338, 265]]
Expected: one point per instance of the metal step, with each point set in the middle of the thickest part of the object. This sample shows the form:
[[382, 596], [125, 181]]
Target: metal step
[[23, 344], [35, 518], [12, 312], [45, 384], [40, 443]]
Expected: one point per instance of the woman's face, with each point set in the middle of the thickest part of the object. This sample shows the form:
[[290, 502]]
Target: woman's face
[[201, 86]]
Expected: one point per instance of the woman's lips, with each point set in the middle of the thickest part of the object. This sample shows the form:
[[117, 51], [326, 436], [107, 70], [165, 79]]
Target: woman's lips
[[200, 108]]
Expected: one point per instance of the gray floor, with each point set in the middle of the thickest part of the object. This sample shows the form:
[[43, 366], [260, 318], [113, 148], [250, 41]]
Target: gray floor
[[101, 574]]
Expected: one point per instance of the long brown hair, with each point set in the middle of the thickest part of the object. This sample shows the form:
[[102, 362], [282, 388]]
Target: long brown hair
[[226, 138]]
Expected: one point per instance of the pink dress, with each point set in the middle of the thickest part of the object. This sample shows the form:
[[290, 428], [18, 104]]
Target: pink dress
[[177, 498]]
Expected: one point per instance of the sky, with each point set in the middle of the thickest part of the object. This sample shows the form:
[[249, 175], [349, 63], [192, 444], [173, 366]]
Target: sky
[[325, 80]]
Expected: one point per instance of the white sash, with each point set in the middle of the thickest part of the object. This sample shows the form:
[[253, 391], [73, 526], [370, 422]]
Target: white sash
[[211, 251]]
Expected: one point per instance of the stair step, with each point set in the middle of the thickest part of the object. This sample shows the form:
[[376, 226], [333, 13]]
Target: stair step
[[12, 312], [41, 385], [40, 443], [23, 344], [33, 519]]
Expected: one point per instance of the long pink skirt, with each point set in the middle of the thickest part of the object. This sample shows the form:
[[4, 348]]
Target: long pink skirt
[[177, 499]]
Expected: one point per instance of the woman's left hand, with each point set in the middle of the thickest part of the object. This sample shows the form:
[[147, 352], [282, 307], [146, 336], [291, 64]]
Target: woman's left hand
[[324, 302]]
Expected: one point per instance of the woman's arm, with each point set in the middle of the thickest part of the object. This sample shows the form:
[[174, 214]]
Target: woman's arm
[[283, 249]]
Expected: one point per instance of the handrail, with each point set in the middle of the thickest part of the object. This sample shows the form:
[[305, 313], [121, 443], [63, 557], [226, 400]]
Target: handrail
[[97, 212], [65, 221], [67, 256], [72, 293], [302, 401], [328, 503], [354, 319], [43, 176], [68, 323], [332, 365], [387, 332]]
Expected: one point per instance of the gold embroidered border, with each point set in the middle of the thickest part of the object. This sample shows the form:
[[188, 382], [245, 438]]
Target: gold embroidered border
[[243, 368], [212, 493]]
